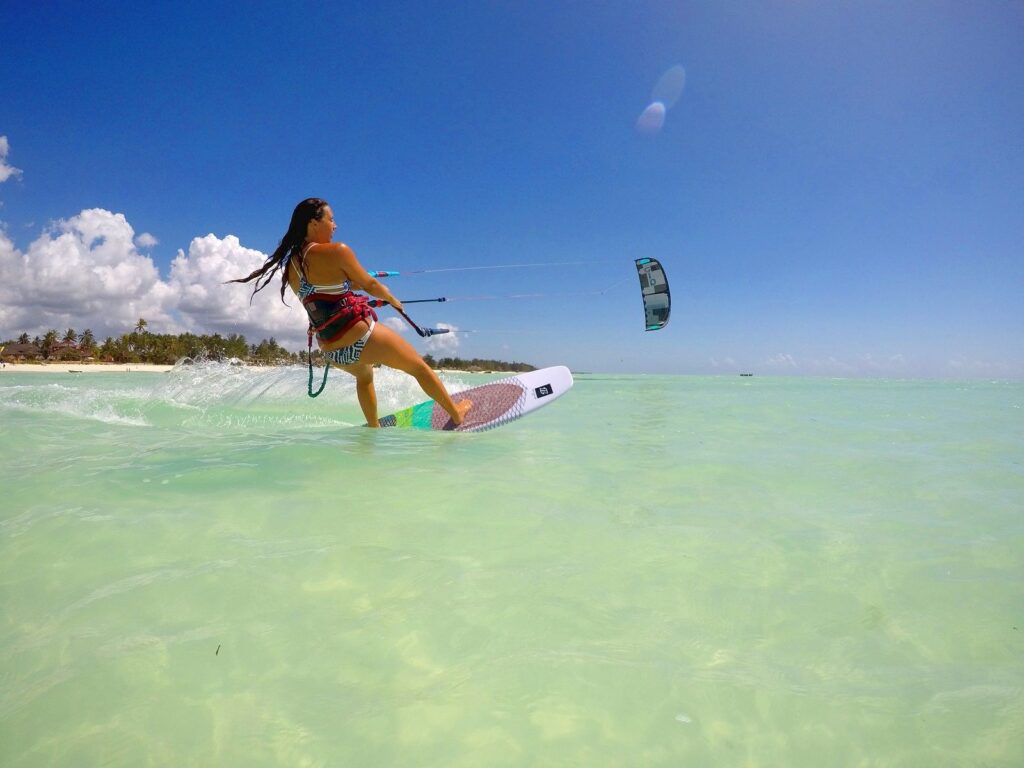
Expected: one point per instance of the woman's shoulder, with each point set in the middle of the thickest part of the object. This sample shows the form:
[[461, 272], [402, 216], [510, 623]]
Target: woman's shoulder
[[330, 249], [330, 262]]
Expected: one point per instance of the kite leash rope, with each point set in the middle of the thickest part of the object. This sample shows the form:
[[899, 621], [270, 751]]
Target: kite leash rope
[[309, 360], [391, 273]]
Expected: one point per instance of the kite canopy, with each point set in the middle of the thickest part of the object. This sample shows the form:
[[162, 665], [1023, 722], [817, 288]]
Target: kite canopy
[[654, 286]]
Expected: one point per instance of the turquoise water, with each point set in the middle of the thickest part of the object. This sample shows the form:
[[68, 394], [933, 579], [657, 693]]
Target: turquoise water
[[205, 567]]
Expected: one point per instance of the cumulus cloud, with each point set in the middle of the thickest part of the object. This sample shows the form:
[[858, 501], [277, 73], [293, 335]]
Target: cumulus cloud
[[783, 360], [146, 240], [7, 170], [834, 366], [396, 324], [206, 304], [867, 362], [85, 272], [961, 366], [445, 344]]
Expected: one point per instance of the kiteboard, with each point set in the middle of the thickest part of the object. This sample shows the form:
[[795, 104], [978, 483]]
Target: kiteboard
[[494, 403]]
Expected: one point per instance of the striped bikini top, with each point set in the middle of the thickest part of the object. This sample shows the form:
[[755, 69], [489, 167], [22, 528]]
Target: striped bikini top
[[332, 309], [307, 289]]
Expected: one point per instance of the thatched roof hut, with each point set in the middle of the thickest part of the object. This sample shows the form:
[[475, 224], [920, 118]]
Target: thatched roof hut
[[14, 352]]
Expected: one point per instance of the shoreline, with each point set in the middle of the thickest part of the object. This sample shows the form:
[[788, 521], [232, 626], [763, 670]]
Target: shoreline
[[76, 368], [137, 368], [83, 368]]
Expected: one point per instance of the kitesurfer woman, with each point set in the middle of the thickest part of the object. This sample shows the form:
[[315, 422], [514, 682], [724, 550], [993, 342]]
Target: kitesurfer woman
[[323, 274]]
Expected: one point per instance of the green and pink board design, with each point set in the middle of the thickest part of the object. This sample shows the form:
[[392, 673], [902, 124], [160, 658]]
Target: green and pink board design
[[494, 404]]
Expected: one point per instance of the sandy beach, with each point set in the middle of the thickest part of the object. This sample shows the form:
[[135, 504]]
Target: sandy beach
[[83, 368]]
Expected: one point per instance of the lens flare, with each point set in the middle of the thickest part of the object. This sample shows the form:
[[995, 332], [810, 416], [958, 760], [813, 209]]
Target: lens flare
[[652, 118], [670, 86]]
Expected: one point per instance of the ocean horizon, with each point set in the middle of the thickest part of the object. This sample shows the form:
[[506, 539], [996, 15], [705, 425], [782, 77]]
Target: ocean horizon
[[207, 567]]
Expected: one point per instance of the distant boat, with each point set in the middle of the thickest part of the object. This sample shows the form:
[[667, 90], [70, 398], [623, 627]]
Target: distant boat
[[746, 374]]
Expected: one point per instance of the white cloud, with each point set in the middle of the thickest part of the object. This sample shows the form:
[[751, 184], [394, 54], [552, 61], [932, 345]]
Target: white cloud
[[85, 272], [834, 366], [782, 360], [146, 240], [396, 324], [445, 344], [960, 366], [6, 170], [867, 362], [10, 260], [206, 304]]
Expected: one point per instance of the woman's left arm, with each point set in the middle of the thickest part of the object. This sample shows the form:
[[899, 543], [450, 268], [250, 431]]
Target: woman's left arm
[[362, 279]]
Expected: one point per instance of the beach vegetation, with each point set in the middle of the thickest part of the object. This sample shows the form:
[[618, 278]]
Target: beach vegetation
[[49, 343], [476, 364], [87, 343], [141, 346]]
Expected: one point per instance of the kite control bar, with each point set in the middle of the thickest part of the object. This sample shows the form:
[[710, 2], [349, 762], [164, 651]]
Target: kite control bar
[[424, 332], [381, 302]]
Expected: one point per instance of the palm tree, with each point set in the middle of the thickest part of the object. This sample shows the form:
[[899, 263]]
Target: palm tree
[[23, 339], [107, 350], [88, 341], [48, 341], [70, 337], [140, 327]]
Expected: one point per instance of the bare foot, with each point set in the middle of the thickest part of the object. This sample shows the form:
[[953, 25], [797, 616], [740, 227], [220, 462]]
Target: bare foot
[[462, 407]]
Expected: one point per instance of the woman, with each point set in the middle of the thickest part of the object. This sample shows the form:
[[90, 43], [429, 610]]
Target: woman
[[322, 274]]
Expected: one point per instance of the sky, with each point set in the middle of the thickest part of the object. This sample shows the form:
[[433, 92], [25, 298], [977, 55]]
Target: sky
[[833, 189]]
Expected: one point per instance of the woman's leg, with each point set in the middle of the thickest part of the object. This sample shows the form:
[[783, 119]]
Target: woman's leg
[[365, 390], [387, 347]]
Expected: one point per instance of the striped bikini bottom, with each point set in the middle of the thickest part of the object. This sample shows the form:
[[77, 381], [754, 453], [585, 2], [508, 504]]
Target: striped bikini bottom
[[350, 355]]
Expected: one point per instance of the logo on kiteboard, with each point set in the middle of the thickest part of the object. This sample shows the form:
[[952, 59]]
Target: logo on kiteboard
[[544, 390]]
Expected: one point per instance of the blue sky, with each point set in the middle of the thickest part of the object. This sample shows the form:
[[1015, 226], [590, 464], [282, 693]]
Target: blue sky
[[839, 189]]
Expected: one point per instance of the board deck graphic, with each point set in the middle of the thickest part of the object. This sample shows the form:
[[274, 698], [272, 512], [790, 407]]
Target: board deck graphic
[[494, 403]]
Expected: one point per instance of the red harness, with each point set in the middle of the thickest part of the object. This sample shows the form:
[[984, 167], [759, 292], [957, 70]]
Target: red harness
[[332, 315]]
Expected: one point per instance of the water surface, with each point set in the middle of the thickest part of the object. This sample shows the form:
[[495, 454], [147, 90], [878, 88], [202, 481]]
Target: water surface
[[206, 567]]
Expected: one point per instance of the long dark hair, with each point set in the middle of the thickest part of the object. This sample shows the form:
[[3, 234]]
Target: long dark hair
[[308, 210]]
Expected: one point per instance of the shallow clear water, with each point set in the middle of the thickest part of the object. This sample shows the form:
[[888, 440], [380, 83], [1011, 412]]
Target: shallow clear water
[[206, 567]]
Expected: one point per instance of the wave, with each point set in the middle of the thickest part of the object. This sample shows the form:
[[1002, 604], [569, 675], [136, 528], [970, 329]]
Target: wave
[[219, 395]]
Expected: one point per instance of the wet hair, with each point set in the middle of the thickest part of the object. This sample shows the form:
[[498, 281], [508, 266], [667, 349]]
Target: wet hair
[[310, 209]]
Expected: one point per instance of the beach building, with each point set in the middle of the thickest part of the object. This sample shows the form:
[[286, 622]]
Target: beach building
[[19, 353]]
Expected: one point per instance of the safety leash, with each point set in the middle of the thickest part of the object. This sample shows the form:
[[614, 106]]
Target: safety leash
[[309, 359]]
